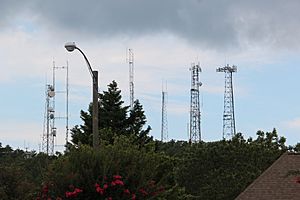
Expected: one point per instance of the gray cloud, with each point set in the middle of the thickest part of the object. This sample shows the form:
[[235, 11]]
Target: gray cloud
[[211, 24]]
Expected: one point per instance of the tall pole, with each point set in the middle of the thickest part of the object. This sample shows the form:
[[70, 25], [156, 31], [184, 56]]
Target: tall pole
[[67, 105], [95, 110]]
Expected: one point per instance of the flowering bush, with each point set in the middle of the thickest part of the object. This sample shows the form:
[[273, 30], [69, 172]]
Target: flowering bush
[[109, 189], [118, 172], [115, 188]]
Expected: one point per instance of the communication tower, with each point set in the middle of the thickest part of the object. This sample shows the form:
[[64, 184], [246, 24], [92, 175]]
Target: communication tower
[[228, 115], [131, 76], [195, 114], [50, 129], [49, 132], [164, 119]]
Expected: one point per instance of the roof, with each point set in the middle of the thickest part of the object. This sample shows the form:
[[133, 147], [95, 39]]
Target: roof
[[277, 182]]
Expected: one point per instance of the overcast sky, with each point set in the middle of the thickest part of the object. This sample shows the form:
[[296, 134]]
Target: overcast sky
[[259, 37]]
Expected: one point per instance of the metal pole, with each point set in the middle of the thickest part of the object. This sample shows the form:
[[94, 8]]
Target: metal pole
[[95, 110], [67, 105]]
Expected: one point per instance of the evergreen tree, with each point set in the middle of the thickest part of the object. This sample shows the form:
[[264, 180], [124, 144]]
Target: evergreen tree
[[113, 120], [136, 122], [112, 113], [83, 134]]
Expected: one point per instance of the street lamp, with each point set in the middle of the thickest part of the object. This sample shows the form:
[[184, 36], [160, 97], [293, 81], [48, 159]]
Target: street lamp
[[71, 46]]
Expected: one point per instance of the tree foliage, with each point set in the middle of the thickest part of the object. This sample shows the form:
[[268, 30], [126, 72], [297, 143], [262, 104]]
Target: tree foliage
[[83, 167], [21, 173], [221, 170], [115, 119], [175, 169]]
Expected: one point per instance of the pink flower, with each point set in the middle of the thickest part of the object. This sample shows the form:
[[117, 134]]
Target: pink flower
[[118, 182], [109, 198], [69, 194], [126, 191], [133, 197], [117, 177], [100, 190], [105, 186], [143, 192], [74, 193], [77, 190], [45, 189]]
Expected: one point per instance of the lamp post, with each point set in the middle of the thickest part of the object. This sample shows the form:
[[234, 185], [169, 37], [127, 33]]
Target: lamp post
[[70, 46]]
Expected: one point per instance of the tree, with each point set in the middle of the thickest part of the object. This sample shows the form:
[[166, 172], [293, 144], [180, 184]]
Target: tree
[[113, 120], [223, 169], [112, 112], [112, 117], [82, 134], [145, 174], [136, 122], [20, 173]]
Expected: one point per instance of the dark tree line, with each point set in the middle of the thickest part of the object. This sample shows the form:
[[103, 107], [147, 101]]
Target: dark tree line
[[146, 168]]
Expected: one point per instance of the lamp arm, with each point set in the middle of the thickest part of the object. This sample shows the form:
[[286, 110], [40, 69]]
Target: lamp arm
[[88, 64]]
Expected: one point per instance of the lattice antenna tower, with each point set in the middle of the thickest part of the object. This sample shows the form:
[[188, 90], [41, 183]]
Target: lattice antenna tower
[[228, 116], [49, 132], [50, 129], [131, 77], [164, 117], [195, 113]]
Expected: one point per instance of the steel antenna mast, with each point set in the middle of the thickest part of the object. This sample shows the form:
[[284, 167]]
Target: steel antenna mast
[[228, 116], [50, 128], [131, 76], [195, 114], [49, 132], [164, 118]]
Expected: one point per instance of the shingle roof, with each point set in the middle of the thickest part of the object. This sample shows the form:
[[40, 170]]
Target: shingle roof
[[277, 182]]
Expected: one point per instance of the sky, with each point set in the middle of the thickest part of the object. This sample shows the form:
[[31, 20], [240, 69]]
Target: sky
[[260, 37]]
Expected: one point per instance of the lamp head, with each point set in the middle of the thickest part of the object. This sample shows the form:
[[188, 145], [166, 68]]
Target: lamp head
[[70, 46]]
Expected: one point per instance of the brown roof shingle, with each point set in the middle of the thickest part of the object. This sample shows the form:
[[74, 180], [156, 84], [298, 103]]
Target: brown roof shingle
[[277, 182]]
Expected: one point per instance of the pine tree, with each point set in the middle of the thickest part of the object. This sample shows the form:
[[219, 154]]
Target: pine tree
[[83, 134], [112, 113], [113, 119], [136, 122]]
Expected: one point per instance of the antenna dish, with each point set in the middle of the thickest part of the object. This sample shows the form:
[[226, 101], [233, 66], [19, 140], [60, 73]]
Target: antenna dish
[[51, 93]]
